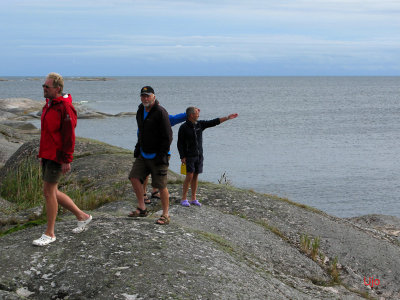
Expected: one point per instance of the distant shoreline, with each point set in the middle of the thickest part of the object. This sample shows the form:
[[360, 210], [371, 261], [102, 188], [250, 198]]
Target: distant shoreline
[[112, 77], [72, 78]]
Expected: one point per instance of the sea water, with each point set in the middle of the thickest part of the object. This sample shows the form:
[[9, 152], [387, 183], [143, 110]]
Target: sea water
[[328, 142]]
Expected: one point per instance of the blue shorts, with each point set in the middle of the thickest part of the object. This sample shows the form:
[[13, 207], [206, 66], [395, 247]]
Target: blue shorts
[[194, 164]]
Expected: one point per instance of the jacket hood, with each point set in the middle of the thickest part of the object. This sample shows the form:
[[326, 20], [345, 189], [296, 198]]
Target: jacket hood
[[66, 98]]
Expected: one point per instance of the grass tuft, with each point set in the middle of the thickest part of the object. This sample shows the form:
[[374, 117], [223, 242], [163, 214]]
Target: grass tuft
[[23, 186], [311, 246], [334, 272], [315, 248], [224, 244]]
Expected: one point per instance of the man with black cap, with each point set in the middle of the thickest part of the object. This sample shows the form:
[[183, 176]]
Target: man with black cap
[[151, 153]]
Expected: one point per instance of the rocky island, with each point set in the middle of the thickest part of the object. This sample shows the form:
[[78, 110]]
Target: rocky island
[[238, 245]]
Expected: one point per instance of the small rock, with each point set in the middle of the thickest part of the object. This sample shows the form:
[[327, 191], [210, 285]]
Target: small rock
[[24, 292]]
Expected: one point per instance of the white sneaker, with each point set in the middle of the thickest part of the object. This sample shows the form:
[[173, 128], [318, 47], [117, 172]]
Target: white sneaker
[[82, 225], [44, 240]]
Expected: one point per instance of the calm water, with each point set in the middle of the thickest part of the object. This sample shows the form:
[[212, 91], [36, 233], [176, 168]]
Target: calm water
[[328, 142]]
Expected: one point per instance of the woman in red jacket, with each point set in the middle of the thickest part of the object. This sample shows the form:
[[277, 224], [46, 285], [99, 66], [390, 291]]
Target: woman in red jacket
[[57, 142]]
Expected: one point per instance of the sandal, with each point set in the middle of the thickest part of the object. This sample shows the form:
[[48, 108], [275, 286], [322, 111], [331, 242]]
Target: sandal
[[195, 202], [155, 196], [142, 213], [146, 199], [185, 203], [163, 220]]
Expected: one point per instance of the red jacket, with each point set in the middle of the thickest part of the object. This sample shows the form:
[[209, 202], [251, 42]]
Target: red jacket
[[57, 137]]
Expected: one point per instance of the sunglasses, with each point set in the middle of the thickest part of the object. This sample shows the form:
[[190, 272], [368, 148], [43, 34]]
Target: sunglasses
[[46, 86]]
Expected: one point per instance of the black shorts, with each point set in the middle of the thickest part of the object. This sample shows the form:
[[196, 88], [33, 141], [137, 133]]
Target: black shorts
[[194, 164], [51, 171]]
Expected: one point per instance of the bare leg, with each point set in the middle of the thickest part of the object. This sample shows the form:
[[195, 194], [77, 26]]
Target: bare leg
[[50, 194], [66, 202], [145, 184], [164, 195], [186, 184], [194, 185], [146, 199], [138, 189]]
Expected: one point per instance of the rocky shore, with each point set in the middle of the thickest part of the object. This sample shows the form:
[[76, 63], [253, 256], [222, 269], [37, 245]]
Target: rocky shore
[[15, 113], [25, 109], [238, 245]]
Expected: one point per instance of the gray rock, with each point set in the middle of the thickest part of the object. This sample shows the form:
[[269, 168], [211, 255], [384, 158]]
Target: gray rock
[[20, 106], [12, 137], [5, 115], [125, 114], [238, 245], [24, 109], [387, 224], [20, 125]]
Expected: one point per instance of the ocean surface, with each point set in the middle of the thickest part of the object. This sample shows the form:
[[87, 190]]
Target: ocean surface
[[332, 143]]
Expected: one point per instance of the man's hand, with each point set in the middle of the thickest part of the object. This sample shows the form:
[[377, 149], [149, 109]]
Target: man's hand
[[65, 168], [232, 116]]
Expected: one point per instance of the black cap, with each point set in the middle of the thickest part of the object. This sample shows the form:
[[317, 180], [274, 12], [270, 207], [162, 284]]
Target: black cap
[[146, 90]]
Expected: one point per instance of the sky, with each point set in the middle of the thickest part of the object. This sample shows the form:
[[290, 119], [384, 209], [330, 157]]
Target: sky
[[200, 37]]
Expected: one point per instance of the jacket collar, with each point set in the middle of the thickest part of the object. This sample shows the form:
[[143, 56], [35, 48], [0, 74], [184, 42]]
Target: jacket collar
[[190, 123], [156, 103]]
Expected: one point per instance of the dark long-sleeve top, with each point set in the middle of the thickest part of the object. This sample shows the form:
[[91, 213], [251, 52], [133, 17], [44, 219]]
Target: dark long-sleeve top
[[190, 137]]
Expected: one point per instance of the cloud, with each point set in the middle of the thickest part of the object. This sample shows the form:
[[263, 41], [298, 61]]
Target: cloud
[[215, 32], [225, 48]]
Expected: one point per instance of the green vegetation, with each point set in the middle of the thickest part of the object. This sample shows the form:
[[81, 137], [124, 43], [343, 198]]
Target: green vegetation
[[176, 181], [305, 243], [306, 207], [273, 229], [224, 244], [310, 246], [23, 186], [315, 248], [37, 222], [88, 200], [334, 272]]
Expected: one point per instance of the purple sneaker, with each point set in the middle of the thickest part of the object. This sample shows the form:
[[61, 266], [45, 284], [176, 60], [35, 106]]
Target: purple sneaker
[[185, 203], [195, 202]]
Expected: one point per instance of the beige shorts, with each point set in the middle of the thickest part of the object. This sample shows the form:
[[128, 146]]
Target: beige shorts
[[143, 167], [51, 171]]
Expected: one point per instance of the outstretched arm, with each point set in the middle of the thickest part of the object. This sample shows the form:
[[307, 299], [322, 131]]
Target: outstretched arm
[[230, 117], [176, 119]]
